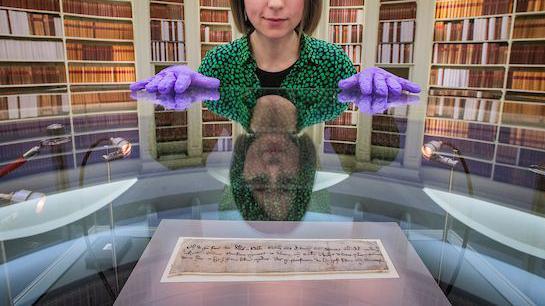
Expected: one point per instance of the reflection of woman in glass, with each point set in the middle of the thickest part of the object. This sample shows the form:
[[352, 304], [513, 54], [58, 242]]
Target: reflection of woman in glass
[[272, 170]]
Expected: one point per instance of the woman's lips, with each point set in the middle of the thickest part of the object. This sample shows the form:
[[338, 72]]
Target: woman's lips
[[275, 21]]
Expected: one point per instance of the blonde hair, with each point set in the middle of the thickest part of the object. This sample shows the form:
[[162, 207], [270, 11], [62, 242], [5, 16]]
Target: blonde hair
[[311, 17]]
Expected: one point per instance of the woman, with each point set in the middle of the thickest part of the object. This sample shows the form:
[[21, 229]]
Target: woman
[[276, 51]]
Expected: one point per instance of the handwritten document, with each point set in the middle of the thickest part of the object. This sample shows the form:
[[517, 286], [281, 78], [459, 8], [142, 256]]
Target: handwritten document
[[213, 257]]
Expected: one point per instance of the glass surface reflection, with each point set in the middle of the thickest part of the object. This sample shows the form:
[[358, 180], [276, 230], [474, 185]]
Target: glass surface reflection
[[279, 160]]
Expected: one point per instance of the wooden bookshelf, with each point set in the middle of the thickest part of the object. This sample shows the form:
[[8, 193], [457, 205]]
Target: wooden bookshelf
[[492, 103], [345, 21], [394, 53], [216, 28], [70, 92], [168, 47]]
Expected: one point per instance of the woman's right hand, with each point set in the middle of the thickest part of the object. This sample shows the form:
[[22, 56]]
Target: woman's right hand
[[175, 80]]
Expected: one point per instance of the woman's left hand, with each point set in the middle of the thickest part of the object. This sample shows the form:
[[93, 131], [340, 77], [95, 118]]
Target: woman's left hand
[[377, 81]]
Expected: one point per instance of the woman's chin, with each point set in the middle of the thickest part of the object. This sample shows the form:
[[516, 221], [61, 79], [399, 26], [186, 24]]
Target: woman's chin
[[272, 33]]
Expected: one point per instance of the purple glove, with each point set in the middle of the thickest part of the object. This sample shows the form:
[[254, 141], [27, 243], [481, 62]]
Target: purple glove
[[376, 81], [375, 104], [175, 79], [179, 102]]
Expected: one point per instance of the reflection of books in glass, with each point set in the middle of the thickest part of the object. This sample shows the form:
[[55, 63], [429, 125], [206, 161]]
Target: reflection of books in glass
[[235, 259]]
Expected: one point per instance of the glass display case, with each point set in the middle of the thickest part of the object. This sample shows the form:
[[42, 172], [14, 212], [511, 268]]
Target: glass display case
[[102, 229]]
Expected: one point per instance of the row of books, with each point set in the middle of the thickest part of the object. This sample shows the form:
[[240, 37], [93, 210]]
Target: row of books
[[450, 77], [486, 53], [528, 157], [105, 122], [388, 140], [468, 93], [527, 114], [102, 102], [398, 11], [519, 177], [460, 129], [98, 29], [27, 50], [215, 3], [101, 74], [346, 16], [167, 30], [396, 31], [171, 134], [471, 109], [208, 116], [36, 128], [171, 1], [170, 119], [46, 5], [353, 52], [166, 51], [32, 106], [346, 118], [217, 130], [466, 147], [166, 11], [523, 137], [98, 8], [99, 52], [340, 134], [524, 114], [345, 34], [469, 8], [530, 5], [395, 53], [494, 28], [339, 148], [346, 2], [389, 124], [527, 79], [35, 74], [519, 156], [208, 35], [529, 27], [214, 16], [24, 24], [217, 145], [205, 49], [527, 53]]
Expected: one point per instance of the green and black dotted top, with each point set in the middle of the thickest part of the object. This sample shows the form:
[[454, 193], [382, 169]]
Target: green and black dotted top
[[321, 65]]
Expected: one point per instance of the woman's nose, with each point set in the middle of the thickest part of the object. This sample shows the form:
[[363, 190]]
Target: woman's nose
[[276, 4]]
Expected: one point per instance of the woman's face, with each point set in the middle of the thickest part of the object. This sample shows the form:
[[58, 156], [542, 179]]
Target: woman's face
[[275, 18]]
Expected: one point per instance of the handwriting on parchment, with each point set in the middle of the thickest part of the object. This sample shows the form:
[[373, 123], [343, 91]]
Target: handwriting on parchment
[[200, 255]]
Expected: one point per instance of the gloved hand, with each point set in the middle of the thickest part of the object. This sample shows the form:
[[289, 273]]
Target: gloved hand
[[377, 81], [175, 79], [179, 101], [375, 104]]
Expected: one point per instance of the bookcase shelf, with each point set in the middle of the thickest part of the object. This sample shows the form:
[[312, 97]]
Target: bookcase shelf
[[81, 106], [168, 37], [394, 52], [31, 37], [97, 17], [509, 133], [34, 85], [72, 38], [345, 29], [216, 28], [29, 10], [472, 17]]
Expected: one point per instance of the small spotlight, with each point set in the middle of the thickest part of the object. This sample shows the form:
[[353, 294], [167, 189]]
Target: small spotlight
[[123, 149]]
